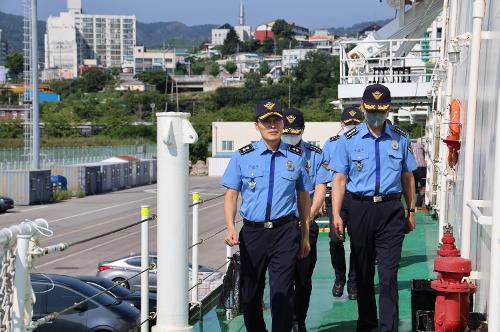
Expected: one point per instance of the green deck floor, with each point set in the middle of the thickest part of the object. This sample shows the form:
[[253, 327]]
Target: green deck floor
[[329, 314]]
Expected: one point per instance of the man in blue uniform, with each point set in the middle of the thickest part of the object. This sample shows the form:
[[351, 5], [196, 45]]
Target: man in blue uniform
[[319, 174], [374, 163], [351, 117], [271, 176]]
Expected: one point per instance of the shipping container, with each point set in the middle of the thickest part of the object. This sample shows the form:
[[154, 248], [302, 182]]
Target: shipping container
[[26, 187], [85, 177]]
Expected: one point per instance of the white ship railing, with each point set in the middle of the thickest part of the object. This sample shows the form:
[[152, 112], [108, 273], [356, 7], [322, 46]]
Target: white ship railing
[[389, 67]]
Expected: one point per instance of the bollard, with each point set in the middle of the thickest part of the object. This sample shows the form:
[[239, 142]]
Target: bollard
[[229, 254], [145, 214], [194, 253], [174, 135]]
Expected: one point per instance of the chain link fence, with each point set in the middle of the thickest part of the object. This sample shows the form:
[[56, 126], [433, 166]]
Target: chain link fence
[[17, 159]]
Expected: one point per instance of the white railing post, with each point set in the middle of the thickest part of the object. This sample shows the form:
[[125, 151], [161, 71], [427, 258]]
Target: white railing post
[[145, 214], [175, 133], [194, 253], [22, 286]]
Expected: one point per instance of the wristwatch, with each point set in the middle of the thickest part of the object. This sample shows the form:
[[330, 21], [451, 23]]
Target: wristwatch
[[411, 210]]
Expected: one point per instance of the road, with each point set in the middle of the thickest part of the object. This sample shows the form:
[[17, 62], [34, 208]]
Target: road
[[82, 218]]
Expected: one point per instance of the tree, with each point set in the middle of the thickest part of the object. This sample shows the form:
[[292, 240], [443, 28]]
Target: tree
[[95, 79], [264, 68], [268, 46], [231, 67], [251, 45], [214, 69], [282, 29], [157, 78], [231, 43], [252, 81], [15, 63], [197, 68]]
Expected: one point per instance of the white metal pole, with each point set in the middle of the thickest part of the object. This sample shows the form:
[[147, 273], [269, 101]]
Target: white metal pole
[[477, 25], [22, 288], [195, 239], [145, 214], [175, 133], [494, 298], [34, 92]]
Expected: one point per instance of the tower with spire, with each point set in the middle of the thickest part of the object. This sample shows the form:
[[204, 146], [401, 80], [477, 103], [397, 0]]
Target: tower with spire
[[242, 13]]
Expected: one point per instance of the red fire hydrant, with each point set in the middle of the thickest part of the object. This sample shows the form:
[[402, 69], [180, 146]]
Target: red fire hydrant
[[452, 300]]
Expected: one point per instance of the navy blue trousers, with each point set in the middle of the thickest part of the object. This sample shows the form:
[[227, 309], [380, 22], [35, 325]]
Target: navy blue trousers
[[273, 250], [337, 252], [303, 277], [377, 231]]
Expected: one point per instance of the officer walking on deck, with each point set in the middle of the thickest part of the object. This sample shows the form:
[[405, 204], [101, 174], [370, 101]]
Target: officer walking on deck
[[350, 118], [374, 163], [271, 176], [319, 174]]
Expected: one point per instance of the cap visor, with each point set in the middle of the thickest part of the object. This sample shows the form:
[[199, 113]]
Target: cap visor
[[266, 115], [292, 131]]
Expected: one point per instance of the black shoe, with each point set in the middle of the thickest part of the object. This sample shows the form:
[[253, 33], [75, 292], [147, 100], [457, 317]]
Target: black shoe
[[338, 288], [352, 293]]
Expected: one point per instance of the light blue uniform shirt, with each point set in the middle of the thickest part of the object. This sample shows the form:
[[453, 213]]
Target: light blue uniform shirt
[[316, 165], [328, 148], [373, 165], [268, 181]]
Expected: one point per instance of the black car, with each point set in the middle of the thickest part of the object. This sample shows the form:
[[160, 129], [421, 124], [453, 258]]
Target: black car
[[120, 292], [6, 203], [104, 313]]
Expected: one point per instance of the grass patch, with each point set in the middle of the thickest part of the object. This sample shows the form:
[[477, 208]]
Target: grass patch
[[59, 196]]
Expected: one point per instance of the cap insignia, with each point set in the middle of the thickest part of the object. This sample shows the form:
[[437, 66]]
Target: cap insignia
[[269, 105], [377, 95], [290, 118], [352, 113]]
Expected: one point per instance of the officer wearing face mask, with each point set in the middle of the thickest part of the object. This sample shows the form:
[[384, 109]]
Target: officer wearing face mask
[[351, 117], [319, 174], [374, 163]]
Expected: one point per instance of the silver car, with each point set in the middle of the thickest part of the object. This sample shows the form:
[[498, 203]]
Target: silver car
[[124, 271]]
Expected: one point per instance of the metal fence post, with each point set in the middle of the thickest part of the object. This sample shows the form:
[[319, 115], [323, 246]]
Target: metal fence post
[[145, 214], [22, 288], [195, 237]]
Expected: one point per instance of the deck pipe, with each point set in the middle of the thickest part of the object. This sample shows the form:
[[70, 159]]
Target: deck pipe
[[494, 296], [451, 32], [175, 133], [145, 215], [478, 8]]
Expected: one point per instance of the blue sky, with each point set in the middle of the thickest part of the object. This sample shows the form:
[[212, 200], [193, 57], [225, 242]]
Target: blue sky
[[311, 13]]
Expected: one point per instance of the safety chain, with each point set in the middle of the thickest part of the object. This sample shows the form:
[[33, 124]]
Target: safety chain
[[6, 288], [152, 315], [201, 201], [208, 276], [213, 235]]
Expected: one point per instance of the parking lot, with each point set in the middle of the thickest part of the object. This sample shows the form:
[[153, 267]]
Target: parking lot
[[85, 217]]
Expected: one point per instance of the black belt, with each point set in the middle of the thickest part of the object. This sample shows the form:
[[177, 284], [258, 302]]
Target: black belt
[[377, 198], [270, 224]]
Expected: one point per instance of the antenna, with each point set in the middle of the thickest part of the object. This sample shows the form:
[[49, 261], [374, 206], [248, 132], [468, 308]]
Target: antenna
[[27, 97]]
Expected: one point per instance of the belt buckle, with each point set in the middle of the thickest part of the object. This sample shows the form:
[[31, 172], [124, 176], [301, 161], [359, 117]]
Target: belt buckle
[[377, 199], [268, 225]]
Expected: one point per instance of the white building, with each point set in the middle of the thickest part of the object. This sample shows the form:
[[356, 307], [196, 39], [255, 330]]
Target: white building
[[247, 62], [220, 34], [149, 60], [74, 36], [290, 58], [228, 137]]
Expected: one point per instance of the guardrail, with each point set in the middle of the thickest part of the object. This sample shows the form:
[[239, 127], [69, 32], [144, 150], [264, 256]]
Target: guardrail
[[378, 61]]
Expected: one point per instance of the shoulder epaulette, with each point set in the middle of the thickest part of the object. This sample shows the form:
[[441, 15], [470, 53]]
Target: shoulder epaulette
[[246, 149], [334, 138], [351, 133], [295, 149], [400, 131], [315, 148]]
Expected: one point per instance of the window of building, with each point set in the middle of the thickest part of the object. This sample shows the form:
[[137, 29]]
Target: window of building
[[227, 145]]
